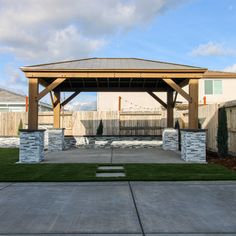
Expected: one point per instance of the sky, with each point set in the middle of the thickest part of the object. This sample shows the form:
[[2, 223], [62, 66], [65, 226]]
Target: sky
[[193, 32]]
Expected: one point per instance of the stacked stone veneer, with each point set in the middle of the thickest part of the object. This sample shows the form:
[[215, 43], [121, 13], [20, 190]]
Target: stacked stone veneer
[[31, 146], [9, 142], [112, 142], [193, 145], [95, 142], [170, 139], [56, 139]]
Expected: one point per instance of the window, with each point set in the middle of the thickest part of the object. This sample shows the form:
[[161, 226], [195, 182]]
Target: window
[[213, 87]]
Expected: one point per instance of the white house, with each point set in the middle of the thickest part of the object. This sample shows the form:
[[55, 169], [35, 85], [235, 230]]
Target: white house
[[215, 87], [15, 102]]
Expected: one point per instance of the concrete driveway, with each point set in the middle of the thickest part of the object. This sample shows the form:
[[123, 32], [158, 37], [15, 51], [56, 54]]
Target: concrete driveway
[[118, 208], [114, 155]]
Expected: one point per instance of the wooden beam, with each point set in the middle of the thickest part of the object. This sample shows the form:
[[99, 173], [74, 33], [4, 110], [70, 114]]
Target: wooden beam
[[50, 87], [52, 100], [43, 82], [178, 89], [193, 105], [110, 89], [78, 74], [73, 95], [56, 110], [158, 99], [33, 104], [183, 83], [170, 109]]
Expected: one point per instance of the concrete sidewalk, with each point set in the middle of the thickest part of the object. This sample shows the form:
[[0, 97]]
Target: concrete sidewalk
[[118, 208], [114, 155]]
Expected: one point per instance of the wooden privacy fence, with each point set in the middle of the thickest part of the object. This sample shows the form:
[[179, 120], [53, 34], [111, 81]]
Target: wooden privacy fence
[[208, 117], [86, 122]]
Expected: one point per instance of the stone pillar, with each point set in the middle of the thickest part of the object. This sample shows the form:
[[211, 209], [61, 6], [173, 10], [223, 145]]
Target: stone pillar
[[56, 139], [193, 145], [170, 139], [31, 146]]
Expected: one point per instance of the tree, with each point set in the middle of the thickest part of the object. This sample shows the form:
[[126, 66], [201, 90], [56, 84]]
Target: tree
[[100, 129], [222, 133]]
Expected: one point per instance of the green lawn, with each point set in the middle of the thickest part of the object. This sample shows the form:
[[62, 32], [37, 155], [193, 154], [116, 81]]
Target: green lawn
[[9, 171]]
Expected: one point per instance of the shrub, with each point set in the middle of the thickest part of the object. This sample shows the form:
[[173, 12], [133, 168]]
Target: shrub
[[177, 126], [20, 126], [100, 129], [222, 133]]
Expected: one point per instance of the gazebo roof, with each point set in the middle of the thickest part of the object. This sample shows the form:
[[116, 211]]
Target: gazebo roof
[[111, 64]]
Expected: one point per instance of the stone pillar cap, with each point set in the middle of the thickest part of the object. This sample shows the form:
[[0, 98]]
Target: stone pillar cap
[[194, 130], [32, 130]]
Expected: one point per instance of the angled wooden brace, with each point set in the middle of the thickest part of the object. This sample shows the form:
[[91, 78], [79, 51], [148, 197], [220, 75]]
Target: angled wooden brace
[[73, 95], [50, 87], [178, 89], [158, 99]]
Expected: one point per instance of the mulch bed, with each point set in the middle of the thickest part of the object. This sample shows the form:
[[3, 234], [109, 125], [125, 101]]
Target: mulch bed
[[229, 162]]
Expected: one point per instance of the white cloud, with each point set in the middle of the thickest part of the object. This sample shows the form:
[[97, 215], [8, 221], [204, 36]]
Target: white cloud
[[212, 49], [82, 106], [63, 29], [231, 68]]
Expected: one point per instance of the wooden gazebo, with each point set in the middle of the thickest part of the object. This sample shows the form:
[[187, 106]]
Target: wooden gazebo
[[113, 75]]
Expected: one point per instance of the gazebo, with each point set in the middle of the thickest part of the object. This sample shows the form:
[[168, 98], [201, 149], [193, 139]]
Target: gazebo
[[101, 75]]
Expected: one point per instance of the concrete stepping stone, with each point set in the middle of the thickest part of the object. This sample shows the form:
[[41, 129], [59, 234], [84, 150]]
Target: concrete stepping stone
[[110, 168], [117, 174]]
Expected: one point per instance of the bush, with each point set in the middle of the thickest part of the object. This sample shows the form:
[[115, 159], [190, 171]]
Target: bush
[[177, 126], [20, 126], [100, 129], [222, 133]]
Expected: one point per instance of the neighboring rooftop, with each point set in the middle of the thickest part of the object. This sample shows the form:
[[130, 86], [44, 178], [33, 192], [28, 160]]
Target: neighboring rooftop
[[111, 64]]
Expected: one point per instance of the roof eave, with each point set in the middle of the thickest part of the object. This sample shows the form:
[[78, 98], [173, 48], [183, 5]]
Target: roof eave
[[193, 70]]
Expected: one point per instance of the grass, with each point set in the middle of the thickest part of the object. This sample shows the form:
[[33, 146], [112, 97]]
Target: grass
[[11, 172]]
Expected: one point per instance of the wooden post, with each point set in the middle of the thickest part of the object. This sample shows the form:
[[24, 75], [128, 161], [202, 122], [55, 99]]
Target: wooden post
[[119, 103], [170, 109], [33, 104], [193, 106], [56, 110]]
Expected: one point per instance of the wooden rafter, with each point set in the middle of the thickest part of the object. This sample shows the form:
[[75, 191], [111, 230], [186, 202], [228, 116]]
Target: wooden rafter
[[97, 82], [50, 87], [130, 82], [73, 95], [158, 99], [144, 81], [178, 89]]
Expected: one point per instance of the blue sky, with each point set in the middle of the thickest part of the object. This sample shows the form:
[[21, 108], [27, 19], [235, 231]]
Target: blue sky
[[194, 32]]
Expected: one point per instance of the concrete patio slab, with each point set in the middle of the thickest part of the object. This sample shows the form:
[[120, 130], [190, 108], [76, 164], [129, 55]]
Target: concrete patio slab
[[186, 208], [145, 155], [110, 174], [115, 155], [98, 155], [110, 168], [68, 209]]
